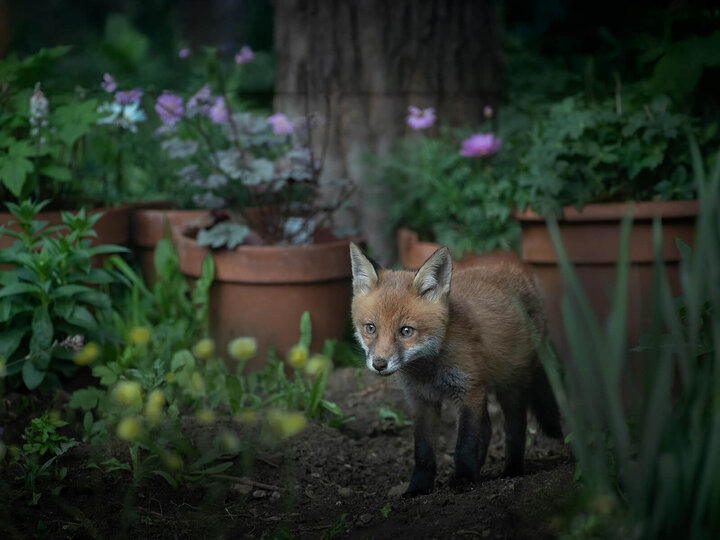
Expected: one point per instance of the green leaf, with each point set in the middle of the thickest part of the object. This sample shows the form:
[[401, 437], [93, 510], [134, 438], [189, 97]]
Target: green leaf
[[19, 288], [107, 376], [58, 172], [32, 377], [42, 329], [85, 399], [13, 172], [10, 340], [305, 329], [182, 359]]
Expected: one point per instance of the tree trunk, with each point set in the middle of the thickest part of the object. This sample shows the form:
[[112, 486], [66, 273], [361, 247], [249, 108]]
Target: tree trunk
[[370, 60]]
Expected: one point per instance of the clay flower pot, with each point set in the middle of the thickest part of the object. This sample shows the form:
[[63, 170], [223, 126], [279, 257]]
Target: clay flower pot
[[147, 226], [262, 291], [412, 253], [592, 239], [112, 228]]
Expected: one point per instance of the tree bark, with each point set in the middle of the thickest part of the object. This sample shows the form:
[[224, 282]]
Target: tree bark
[[371, 59]]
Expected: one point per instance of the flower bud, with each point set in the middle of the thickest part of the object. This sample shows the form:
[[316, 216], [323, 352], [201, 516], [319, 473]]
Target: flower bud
[[297, 356], [87, 355], [286, 424], [129, 429], [140, 335], [204, 348], [129, 393], [242, 348]]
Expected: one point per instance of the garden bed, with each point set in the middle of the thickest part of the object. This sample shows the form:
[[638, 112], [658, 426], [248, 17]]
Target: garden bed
[[321, 483]]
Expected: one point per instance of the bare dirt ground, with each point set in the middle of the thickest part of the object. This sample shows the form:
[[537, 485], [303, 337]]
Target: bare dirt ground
[[322, 483]]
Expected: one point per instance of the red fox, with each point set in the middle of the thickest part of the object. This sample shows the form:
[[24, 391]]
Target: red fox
[[457, 337]]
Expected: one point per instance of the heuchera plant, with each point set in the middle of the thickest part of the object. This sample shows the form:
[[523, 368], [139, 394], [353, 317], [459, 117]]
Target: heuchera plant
[[263, 172]]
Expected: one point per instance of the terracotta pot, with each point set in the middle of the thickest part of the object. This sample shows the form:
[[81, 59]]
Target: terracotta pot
[[591, 238], [412, 253], [112, 228], [262, 291], [147, 226]]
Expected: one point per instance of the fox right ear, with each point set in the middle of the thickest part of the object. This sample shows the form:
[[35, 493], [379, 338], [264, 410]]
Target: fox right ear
[[364, 271]]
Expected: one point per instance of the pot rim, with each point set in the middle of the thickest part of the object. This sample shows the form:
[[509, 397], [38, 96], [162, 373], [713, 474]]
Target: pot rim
[[613, 211]]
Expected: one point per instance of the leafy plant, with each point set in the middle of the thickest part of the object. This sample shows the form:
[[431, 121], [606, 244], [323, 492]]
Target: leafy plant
[[649, 459], [583, 151], [42, 438], [388, 415], [52, 298], [457, 201]]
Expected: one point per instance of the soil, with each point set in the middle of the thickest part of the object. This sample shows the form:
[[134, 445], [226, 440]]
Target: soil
[[322, 483]]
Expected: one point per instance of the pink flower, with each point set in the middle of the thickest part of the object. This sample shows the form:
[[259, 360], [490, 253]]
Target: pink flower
[[127, 97], [480, 145], [244, 56], [219, 113], [420, 118], [280, 124], [169, 108], [183, 53], [108, 84]]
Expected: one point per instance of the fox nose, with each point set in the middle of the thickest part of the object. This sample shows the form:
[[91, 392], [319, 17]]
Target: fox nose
[[380, 364]]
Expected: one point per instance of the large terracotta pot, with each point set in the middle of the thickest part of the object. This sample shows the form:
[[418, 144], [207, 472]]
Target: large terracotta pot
[[112, 228], [262, 291], [591, 238], [412, 253], [147, 226]]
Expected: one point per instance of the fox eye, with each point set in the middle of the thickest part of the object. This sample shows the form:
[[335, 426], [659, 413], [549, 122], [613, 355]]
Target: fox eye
[[370, 328], [407, 331]]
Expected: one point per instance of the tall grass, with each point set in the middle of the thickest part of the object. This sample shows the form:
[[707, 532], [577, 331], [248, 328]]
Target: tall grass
[[648, 450]]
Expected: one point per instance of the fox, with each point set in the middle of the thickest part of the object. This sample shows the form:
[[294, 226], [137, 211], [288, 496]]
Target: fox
[[457, 337]]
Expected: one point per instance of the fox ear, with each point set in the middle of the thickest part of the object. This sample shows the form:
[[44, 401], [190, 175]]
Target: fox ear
[[432, 280], [364, 271]]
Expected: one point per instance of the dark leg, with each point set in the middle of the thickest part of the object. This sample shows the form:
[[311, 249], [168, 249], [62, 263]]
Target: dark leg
[[514, 408], [427, 416], [472, 441]]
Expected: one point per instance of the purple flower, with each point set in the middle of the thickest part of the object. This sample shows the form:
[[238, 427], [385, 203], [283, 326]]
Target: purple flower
[[200, 102], [480, 145], [420, 118], [127, 97], [244, 56], [219, 113], [184, 53], [108, 84], [280, 124], [169, 108]]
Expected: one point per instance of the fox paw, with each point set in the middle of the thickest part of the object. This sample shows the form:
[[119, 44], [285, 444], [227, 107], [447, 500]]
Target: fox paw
[[421, 483]]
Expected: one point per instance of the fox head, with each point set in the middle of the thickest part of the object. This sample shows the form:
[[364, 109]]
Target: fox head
[[400, 316]]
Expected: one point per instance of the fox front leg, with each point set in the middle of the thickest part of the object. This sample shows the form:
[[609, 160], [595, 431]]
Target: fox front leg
[[472, 441], [427, 419]]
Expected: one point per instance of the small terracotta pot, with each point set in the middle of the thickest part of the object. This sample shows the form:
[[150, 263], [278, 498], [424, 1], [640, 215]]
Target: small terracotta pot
[[412, 253], [262, 291], [112, 228], [147, 227], [591, 238]]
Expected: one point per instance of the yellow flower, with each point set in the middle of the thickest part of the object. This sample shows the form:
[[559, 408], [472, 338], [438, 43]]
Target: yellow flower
[[129, 393], [129, 429], [229, 443], [154, 407], [205, 416], [197, 382], [242, 348], [140, 335], [87, 354], [298, 355], [174, 461], [286, 424], [248, 416], [170, 376], [317, 365], [204, 348]]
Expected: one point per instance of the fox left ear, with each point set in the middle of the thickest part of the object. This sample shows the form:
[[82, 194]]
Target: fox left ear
[[432, 280], [364, 271]]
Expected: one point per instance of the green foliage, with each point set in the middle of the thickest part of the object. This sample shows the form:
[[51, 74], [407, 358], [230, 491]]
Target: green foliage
[[582, 152], [42, 438], [228, 235], [650, 460], [463, 203], [392, 419], [50, 293]]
